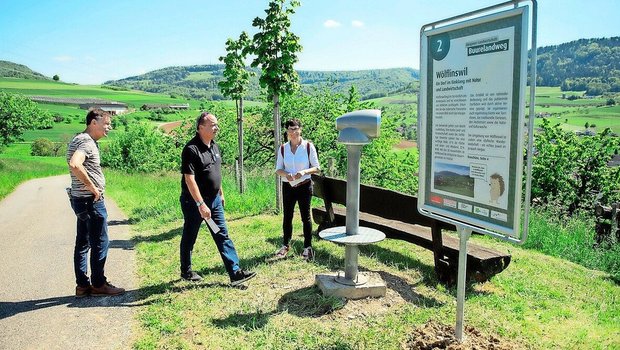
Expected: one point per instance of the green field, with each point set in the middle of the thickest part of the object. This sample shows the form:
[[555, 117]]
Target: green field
[[576, 118], [56, 89], [195, 76], [547, 95]]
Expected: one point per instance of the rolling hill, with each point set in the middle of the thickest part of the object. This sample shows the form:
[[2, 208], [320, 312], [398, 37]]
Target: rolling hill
[[200, 81], [14, 70], [590, 65]]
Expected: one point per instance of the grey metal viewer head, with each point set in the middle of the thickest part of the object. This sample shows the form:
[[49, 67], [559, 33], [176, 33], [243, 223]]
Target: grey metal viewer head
[[359, 127]]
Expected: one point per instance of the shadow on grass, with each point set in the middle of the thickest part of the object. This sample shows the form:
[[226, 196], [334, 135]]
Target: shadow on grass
[[246, 321], [385, 256], [164, 236], [132, 298], [246, 264], [390, 257], [407, 291], [309, 302], [305, 302]]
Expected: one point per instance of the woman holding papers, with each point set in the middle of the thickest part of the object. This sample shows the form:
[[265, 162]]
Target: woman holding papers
[[297, 160]]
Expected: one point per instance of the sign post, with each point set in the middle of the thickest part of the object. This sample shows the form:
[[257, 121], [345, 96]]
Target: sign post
[[464, 234], [471, 117]]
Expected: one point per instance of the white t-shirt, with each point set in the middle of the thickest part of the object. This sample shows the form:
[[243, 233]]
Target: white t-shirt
[[298, 161]]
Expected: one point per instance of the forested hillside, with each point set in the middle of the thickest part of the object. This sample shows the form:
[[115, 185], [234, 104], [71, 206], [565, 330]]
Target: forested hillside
[[201, 81], [14, 70], [591, 65]]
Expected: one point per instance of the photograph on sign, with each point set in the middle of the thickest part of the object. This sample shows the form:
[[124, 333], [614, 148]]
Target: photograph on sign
[[471, 120]]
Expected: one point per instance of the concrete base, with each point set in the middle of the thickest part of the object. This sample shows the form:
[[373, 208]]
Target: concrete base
[[375, 287]]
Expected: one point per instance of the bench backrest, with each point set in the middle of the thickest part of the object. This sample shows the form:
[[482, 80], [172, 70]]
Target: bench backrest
[[373, 200]]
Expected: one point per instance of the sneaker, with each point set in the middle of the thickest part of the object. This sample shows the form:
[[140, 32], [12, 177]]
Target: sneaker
[[308, 254], [281, 254], [191, 276], [241, 276], [106, 290], [82, 291]]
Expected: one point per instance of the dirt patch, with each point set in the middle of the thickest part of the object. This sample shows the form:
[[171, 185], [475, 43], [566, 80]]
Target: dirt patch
[[168, 127], [433, 335], [406, 144]]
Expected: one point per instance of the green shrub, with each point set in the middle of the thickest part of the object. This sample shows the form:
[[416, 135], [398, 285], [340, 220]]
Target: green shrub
[[571, 239], [42, 147], [571, 171], [142, 148]]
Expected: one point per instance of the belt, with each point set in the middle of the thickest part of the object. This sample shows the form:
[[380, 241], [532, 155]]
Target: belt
[[300, 184]]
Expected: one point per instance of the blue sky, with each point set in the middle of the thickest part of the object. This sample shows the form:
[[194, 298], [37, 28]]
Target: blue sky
[[89, 42]]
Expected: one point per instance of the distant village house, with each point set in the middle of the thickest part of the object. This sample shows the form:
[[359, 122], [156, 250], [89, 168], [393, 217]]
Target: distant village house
[[114, 108]]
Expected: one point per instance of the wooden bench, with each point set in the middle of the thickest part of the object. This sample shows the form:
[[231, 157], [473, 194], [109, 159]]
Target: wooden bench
[[396, 214]]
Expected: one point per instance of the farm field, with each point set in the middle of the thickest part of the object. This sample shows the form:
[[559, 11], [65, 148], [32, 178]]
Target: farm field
[[56, 89]]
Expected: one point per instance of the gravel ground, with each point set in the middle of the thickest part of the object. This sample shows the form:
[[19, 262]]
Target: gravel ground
[[38, 309]]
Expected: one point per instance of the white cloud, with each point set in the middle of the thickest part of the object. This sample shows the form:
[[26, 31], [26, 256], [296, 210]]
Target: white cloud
[[330, 23], [357, 24], [64, 58]]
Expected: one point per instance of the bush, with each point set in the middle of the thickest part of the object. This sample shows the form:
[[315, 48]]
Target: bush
[[142, 148], [570, 171], [46, 148]]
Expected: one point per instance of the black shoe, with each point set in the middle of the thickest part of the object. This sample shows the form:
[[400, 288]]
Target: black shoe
[[241, 276], [191, 276]]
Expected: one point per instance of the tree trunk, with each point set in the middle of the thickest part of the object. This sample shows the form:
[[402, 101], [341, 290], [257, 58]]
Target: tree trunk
[[276, 141], [240, 142]]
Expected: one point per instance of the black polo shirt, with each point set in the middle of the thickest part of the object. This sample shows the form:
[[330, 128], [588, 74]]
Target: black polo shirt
[[205, 163]]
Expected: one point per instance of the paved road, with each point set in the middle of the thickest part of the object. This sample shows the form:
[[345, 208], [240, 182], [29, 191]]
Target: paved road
[[38, 309]]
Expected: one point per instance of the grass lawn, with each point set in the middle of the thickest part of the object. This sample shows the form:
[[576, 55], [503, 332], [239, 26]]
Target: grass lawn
[[17, 166], [538, 302]]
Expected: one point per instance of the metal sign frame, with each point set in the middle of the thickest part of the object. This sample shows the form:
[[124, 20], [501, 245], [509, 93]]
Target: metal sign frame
[[451, 207]]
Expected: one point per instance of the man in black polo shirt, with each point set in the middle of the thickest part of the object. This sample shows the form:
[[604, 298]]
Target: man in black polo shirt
[[202, 199]]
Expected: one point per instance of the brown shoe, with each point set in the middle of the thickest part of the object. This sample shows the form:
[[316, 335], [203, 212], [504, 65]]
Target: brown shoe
[[106, 290], [81, 292]]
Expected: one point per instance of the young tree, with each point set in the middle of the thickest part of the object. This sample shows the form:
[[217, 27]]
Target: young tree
[[17, 114], [276, 47], [56, 77], [234, 85]]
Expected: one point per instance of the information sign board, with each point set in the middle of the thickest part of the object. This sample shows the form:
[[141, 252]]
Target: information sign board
[[471, 120]]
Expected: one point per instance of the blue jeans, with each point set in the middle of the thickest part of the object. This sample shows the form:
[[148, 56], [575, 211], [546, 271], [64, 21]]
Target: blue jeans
[[92, 234], [191, 226]]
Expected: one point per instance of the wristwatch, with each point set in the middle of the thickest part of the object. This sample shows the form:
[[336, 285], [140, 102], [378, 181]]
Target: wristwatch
[[200, 203]]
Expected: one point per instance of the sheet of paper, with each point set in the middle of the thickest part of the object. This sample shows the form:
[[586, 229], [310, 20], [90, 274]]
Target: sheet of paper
[[213, 226]]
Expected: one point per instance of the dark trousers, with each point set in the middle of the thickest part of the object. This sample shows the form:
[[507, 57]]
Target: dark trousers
[[191, 226], [92, 234], [302, 195]]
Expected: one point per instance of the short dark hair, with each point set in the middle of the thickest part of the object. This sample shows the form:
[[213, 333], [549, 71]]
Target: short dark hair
[[201, 118], [95, 114], [292, 122]]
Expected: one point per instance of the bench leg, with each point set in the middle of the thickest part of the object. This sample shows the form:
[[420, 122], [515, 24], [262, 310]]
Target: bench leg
[[442, 266]]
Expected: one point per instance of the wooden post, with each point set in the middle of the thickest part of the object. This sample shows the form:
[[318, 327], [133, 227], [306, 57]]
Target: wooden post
[[440, 270]]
